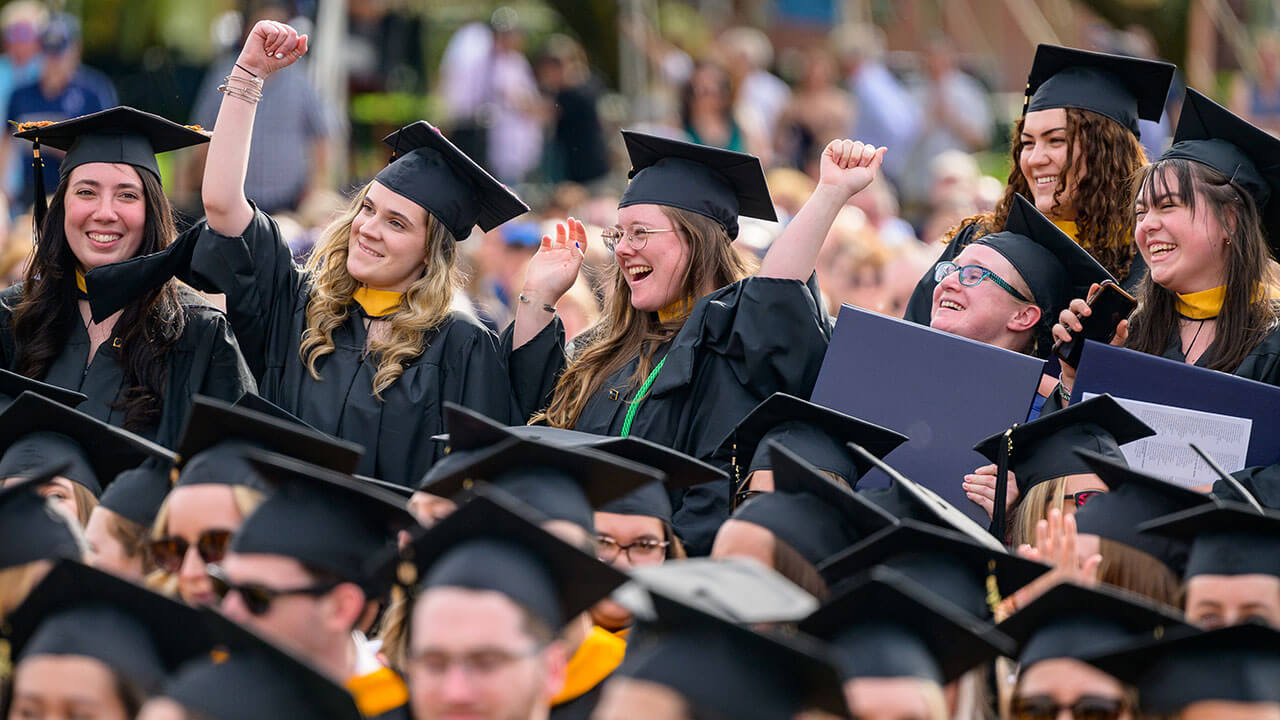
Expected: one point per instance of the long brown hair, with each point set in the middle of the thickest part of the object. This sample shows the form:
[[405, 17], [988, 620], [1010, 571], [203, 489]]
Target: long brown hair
[[625, 332], [425, 305], [1104, 215], [1247, 312], [148, 327]]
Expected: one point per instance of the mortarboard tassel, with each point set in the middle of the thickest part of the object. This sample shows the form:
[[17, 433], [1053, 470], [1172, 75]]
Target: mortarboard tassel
[[41, 204], [1002, 487]]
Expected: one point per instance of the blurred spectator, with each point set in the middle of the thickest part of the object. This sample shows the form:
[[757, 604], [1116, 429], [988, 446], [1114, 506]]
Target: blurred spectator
[[1256, 97], [383, 49], [880, 205], [22, 22], [956, 116], [65, 89], [761, 95], [819, 112], [901, 275], [515, 135], [289, 158], [789, 188], [464, 85], [500, 268], [887, 115], [851, 264], [578, 309], [576, 149], [706, 112]]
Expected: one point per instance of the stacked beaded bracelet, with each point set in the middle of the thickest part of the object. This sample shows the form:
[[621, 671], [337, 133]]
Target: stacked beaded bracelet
[[248, 89]]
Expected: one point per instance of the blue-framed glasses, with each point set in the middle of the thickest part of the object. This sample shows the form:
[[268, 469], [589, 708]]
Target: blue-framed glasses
[[971, 275]]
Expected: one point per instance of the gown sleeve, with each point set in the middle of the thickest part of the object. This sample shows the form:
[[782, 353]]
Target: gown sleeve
[[226, 375], [256, 273], [478, 379], [920, 306], [535, 366]]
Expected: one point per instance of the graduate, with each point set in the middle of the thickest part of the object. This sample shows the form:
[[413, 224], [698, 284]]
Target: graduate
[[99, 311], [1232, 574], [88, 644], [295, 572], [33, 535], [1034, 270], [36, 432], [119, 528], [1209, 229], [494, 592], [687, 320], [362, 344], [1044, 471], [1073, 151]]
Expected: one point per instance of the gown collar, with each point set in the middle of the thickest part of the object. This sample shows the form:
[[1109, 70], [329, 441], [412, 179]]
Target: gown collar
[[1202, 305], [377, 303]]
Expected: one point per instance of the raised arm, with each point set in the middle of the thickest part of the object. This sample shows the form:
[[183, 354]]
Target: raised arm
[[270, 47], [847, 168]]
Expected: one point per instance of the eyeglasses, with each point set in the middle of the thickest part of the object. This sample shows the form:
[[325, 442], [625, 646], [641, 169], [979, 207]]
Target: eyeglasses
[[637, 238], [744, 495], [640, 551], [170, 551], [1082, 497], [258, 598], [1088, 707], [971, 275], [478, 664]]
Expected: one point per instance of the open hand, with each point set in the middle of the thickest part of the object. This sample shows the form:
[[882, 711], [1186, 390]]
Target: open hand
[[554, 268], [980, 486], [850, 165], [271, 46], [1056, 545]]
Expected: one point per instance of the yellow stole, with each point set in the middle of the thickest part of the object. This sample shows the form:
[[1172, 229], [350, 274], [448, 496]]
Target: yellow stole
[[596, 658], [377, 303], [1069, 227], [378, 692], [80, 282], [676, 310], [1202, 305]]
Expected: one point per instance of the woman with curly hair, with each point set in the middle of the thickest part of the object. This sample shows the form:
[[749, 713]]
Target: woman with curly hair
[[691, 339], [362, 344], [98, 311], [1207, 225], [1074, 151]]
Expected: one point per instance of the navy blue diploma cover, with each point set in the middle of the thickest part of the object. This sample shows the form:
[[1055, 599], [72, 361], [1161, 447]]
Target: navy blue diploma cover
[[1132, 375], [942, 391]]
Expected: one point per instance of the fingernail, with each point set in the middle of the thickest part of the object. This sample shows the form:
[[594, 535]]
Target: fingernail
[[279, 56], [577, 244]]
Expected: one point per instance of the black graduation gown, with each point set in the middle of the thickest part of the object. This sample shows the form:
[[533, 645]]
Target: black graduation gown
[[740, 344], [1261, 364], [267, 298], [205, 361], [1262, 481], [581, 707], [920, 306]]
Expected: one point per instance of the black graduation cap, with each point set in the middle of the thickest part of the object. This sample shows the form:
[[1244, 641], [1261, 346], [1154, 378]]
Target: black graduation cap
[[213, 441], [1237, 663], [1133, 498], [255, 680], [1124, 89], [432, 172], [816, 433], [564, 483], [396, 488], [811, 512], [886, 625], [949, 564], [117, 135], [738, 589], [1041, 450], [136, 494], [35, 431], [12, 385], [1212, 135], [1055, 267], [326, 520], [30, 529], [1071, 621], [715, 183], [259, 404], [494, 543], [77, 610], [702, 657], [906, 499], [1226, 538]]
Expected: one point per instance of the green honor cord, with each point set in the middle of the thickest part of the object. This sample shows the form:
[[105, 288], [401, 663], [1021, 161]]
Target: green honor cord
[[640, 396]]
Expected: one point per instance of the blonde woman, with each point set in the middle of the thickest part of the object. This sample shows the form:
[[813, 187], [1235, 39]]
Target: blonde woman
[[692, 337], [362, 343]]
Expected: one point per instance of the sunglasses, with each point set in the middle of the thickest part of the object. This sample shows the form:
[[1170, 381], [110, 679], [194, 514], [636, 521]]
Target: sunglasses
[[169, 551], [972, 275], [1082, 497], [258, 598], [1088, 707]]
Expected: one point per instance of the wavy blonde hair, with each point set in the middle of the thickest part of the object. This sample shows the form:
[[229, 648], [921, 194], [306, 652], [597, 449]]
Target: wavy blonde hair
[[425, 305], [625, 332]]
